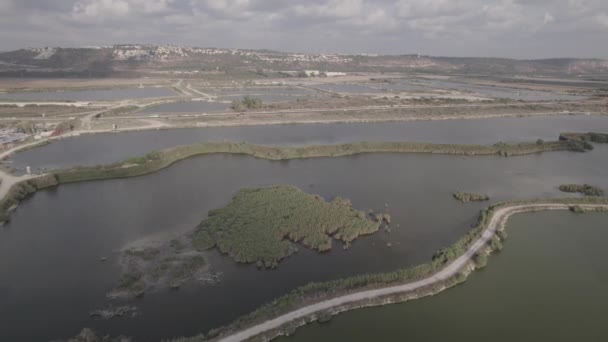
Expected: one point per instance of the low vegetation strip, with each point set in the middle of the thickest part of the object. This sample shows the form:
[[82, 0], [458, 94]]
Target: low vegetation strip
[[600, 138], [448, 267], [155, 161], [261, 225], [21, 190]]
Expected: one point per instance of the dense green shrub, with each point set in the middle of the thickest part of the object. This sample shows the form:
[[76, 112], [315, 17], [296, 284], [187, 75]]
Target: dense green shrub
[[248, 102], [600, 138], [466, 197], [585, 189], [481, 260], [260, 224], [20, 191]]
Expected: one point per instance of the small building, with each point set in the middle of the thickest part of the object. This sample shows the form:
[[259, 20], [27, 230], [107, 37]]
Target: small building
[[43, 135]]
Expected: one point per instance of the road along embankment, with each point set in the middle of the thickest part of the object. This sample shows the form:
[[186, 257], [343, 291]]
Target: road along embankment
[[450, 271]]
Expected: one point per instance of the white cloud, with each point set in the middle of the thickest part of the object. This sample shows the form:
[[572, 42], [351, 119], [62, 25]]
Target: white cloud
[[228, 5], [602, 20], [332, 8], [224, 9], [432, 26], [437, 17], [430, 8], [6, 5], [152, 6], [101, 8]]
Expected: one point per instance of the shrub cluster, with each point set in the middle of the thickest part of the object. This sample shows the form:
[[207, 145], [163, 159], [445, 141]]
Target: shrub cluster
[[247, 102], [466, 197], [261, 224], [585, 189], [20, 191]]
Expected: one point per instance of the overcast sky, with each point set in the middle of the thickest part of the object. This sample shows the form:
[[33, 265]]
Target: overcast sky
[[497, 28]]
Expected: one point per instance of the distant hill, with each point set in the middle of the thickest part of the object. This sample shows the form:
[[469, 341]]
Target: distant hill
[[152, 58]]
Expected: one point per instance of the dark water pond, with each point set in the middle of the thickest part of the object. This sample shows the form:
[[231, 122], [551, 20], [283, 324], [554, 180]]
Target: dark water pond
[[268, 97], [548, 284], [91, 95], [261, 91], [50, 251], [115, 147]]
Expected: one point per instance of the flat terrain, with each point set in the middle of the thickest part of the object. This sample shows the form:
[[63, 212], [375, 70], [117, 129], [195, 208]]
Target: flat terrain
[[356, 97]]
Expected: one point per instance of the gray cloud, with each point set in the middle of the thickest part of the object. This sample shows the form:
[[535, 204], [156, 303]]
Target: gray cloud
[[510, 28]]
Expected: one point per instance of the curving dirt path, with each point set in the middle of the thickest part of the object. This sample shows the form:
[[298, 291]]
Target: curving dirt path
[[7, 180], [499, 218]]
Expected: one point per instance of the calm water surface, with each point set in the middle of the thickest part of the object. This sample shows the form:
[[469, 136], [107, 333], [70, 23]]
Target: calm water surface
[[548, 284], [261, 91], [115, 147], [269, 98], [91, 95], [500, 92], [50, 251]]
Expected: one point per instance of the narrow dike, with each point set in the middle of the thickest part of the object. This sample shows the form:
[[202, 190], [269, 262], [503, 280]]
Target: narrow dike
[[448, 273], [156, 161]]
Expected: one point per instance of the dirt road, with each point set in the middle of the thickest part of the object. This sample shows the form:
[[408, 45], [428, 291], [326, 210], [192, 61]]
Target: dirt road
[[499, 218]]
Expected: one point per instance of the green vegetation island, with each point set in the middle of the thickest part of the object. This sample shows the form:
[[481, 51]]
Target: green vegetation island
[[262, 225], [585, 189], [466, 197], [248, 102], [158, 160]]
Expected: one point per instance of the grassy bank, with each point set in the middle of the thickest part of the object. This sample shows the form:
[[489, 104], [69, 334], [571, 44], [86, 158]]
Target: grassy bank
[[21, 190], [262, 225], [157, 160], [320, 291]]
